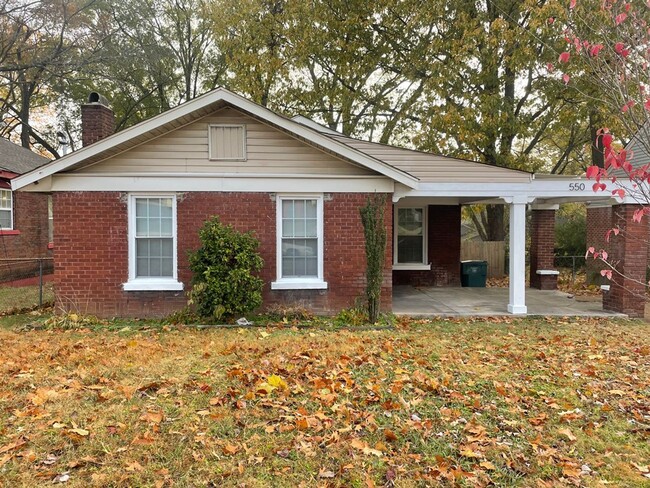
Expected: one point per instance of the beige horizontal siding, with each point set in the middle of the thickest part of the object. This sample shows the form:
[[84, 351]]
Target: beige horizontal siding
[[185, 150]]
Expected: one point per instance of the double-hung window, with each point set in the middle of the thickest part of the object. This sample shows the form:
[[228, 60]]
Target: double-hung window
[[6, 210], [299, 242], [410, 246], [152, 243]]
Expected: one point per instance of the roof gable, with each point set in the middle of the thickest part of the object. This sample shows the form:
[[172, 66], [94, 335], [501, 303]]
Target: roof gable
[[268, 151], [193, 110]]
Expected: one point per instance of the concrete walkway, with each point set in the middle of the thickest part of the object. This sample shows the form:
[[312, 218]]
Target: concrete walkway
[[433, 302]]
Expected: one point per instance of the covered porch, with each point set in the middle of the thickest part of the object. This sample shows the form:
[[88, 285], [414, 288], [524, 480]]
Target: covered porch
[[459, 302], [432, 285]]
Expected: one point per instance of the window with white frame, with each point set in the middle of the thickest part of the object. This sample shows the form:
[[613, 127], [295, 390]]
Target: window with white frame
[[410, 237], [227, 142], [6, 210], [152, 243], [299, 242]]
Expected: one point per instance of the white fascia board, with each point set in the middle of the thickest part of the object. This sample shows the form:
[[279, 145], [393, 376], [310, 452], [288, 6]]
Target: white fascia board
[[544, 189], [211, 183], [187, 108]]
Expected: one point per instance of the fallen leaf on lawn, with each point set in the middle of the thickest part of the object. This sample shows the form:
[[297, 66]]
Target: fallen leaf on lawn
[[617, 392], [277, 382], [133, 467], [62, 478], [567, 433], [42, 395], [264, 335], [571, 471], [230, 449], [81, 432], [326, 474], [152, 417], [487, 465], [13, 445], [645, 469], [469, 453]]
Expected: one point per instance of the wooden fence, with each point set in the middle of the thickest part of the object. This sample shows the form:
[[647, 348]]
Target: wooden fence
[[493, 252]]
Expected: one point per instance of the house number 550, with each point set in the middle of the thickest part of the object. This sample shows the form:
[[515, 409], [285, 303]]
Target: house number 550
[[576, 186]]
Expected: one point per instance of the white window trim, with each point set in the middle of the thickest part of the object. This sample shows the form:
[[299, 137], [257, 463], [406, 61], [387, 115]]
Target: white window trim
[[241, 126], [424, 265], [151, 284], [281, 283], [11, 210]]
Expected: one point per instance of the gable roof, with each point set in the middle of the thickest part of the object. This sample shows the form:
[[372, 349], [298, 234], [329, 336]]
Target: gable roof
[[427, 167], [195, 109], [17, 159]]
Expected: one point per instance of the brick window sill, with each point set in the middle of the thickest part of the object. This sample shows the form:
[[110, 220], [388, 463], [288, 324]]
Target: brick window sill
[[9, 232]]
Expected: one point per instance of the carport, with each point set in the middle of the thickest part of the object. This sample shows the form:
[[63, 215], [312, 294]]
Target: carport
[[520, 192]]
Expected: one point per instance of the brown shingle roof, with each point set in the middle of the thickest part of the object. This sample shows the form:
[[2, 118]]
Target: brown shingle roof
[[17, 159]]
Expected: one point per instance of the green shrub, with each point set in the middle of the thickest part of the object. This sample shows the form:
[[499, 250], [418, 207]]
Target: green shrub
[[571, 230], [374, 231], [223, 282]]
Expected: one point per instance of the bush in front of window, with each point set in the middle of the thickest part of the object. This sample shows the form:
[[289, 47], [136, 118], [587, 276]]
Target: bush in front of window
[[224, 282]]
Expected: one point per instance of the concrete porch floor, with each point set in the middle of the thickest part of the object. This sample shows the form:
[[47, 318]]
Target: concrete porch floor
[[434, 301]]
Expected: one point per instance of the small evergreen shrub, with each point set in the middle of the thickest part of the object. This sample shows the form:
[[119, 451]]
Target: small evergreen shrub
[[374, 230], [224, 282]]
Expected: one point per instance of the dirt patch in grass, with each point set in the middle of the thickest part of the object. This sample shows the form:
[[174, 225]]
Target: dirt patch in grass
[[455, 402]]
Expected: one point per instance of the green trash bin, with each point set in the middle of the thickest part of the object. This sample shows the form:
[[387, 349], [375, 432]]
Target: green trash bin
[[473, 273]]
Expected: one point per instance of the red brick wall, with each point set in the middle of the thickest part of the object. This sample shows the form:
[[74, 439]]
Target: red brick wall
[[542, 246], [30, 220], [628, 253], [91, 251], [97, 122], [443, 249], [599, 221]]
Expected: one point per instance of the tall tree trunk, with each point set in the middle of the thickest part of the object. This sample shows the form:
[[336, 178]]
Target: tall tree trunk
[[495, 229], [25, 102]]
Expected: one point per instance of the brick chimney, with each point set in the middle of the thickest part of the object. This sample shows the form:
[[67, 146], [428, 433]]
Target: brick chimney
[[97, 120]]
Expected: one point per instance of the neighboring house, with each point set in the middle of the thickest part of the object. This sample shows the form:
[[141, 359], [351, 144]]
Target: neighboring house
[[129, 206], [24, 220]]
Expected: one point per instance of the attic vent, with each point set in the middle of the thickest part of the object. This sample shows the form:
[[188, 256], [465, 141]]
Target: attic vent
[[227, 142]]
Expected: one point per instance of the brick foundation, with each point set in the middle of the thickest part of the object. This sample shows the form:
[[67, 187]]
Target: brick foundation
[[542, 245], [443, 250], [91, 251], [628, 254], [29, 239]]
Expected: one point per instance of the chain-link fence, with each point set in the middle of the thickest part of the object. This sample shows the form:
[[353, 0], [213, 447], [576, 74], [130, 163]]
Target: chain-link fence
[[25, 283]]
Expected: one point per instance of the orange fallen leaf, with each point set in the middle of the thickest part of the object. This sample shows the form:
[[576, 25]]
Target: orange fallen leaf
[[230, 449]]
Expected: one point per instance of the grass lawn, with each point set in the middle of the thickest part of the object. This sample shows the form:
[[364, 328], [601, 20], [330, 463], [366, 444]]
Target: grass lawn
[[22, 297], [530, 402]]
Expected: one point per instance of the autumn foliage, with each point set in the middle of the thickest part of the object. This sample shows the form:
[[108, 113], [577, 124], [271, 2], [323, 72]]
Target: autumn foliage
[[495, 402]]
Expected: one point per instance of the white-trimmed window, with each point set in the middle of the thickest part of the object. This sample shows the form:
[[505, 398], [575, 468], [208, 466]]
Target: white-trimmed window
[[227, 142], [6, 210], [152, 243], [299, 242], [410, 244]]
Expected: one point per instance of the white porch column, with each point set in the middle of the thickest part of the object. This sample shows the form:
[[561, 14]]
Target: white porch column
[[517, 299]]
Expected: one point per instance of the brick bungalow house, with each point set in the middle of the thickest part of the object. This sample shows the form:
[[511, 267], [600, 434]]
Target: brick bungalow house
[[129, 206], [24, 222]]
